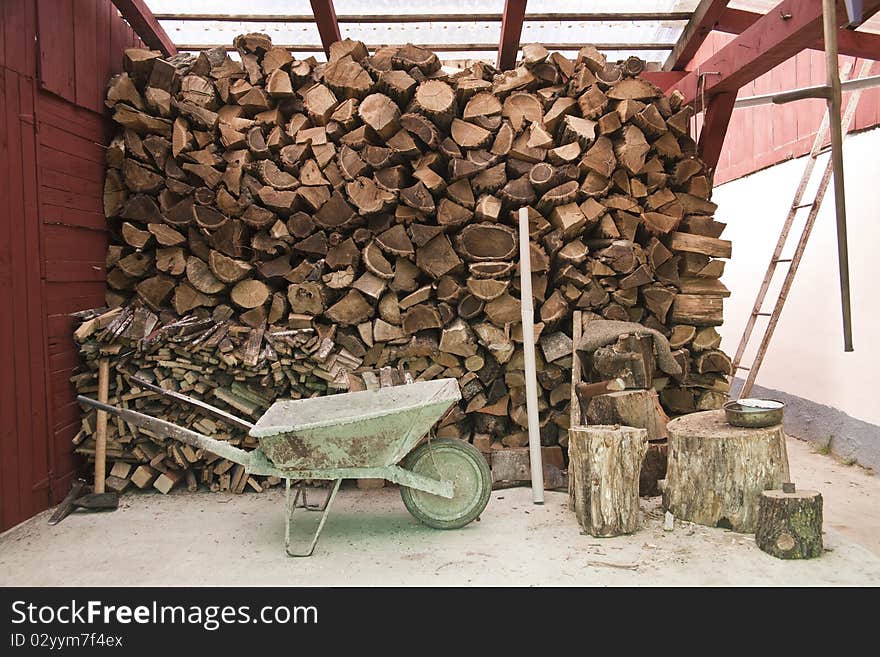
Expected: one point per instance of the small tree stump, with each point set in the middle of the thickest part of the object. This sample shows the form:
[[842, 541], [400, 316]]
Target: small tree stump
[[717, 472], [790, 524], [603, 471]]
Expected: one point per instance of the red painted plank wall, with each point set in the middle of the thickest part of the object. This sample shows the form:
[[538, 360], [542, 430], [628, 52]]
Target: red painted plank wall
[[55, 59], [764, 135]]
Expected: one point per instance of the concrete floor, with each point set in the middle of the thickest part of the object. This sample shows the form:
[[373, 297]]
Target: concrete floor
[[223, 540]]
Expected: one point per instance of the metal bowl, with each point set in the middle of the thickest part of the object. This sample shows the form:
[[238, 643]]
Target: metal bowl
[[740, 414]]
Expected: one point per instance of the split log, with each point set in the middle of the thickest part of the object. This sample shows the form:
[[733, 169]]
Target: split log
[[697, 310], [512, 467], [634, 408], [381, 114]]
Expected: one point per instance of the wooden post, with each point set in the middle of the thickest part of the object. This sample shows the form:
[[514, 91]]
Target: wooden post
[[717, 472], [603, 473], [511, 31], [832, 81], [790, 523], [528, 331], [328, 26], [101, 425]]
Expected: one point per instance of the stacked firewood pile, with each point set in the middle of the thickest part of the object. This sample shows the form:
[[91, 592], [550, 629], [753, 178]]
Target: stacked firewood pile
[[373, 200], [239, 368]]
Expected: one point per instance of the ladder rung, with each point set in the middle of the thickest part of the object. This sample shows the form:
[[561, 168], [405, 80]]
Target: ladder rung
[[804, 205], [782, 260], [762, 314], [746, 369], [824, 149]]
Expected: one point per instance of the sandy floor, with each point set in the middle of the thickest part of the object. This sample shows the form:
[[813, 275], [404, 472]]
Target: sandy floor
[[371, 540]]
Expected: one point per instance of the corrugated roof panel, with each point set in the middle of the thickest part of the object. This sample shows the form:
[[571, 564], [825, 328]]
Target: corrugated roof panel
[[434, 33]]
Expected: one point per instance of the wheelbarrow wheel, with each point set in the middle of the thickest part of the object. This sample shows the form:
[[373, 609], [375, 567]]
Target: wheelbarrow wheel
[[456, 461]]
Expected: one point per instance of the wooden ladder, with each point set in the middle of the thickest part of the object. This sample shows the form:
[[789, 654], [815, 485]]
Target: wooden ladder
[[795, 260]]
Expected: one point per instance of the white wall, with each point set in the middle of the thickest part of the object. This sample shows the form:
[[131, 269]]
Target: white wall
[[806, 356]]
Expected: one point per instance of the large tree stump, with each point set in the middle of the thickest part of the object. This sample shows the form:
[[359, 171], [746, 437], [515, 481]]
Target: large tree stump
[[790, 524], [603, 472], [717, 472]]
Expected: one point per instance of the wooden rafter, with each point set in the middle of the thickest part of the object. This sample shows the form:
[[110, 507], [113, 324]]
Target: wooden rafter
[[511, 30], [663, 79], [436, 18], [328, 26], [703, 21], [466, 47], [849, 42], [736, 21], [788, 28], [145, 25]]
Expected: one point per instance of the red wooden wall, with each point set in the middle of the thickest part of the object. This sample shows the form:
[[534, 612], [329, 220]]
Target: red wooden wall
[[767, 134], [55, 58]]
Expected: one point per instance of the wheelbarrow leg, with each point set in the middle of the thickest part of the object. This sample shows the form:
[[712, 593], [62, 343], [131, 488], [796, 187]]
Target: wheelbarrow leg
[[288, 517], [311, 507]]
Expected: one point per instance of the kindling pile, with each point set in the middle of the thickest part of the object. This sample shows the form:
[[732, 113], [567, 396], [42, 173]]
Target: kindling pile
[[283, 223]]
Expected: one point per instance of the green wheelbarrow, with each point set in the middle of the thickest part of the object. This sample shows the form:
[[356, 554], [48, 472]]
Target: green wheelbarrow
[[372, 434]]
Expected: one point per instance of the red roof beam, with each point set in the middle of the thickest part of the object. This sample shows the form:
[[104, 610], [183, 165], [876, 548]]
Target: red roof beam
[[511, 31], [328, 26], [715, 124], [788, 28], [663, 79], [146, 26], [702, 22], [849, 42]]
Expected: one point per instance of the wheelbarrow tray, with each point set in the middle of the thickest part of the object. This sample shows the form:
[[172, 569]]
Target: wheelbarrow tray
[[369, 429], [348, 436]]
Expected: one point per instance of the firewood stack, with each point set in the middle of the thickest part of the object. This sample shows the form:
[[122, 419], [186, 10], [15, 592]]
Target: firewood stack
[[373, 200], [234, 366]]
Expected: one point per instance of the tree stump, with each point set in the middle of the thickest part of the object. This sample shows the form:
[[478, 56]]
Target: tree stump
[[790, 524], [717, 472], [603, 471]]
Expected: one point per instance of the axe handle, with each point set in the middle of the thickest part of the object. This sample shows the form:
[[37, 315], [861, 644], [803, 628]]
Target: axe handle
[[101, 425]]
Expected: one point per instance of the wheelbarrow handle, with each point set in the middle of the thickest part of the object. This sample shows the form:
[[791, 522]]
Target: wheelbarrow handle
[[198, 403], [169, 429]]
